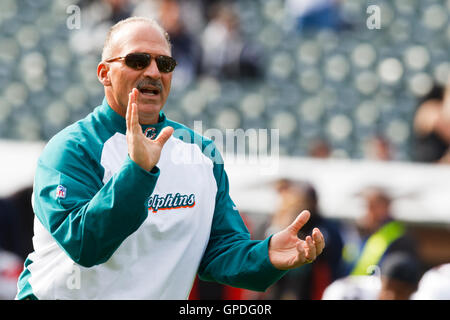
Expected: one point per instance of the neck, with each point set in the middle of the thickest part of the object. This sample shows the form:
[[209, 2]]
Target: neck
[[114, 104]]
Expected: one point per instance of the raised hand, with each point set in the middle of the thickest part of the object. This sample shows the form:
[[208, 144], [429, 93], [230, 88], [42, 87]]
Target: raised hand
[[142, 150], [287, 251]]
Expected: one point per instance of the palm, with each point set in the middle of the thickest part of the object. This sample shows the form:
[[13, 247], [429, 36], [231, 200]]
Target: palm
[[287, 251], [145, 152]]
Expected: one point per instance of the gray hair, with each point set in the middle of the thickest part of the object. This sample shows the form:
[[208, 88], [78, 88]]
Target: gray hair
[[108, 41]]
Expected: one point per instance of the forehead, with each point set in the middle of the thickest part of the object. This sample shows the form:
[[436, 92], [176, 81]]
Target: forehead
[[139, 37]]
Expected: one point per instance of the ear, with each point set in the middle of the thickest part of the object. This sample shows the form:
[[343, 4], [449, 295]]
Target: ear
[[103, 74]]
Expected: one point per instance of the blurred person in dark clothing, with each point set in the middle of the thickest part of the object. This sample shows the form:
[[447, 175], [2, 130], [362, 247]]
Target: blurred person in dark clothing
[[119, 9], [396, 279], [381, 234], [310, 282], [10, 267], [226, 53], [316, 14], [431, 139], [16, 223], [7, 223], [185, 48], [400, 276], [16, 233]]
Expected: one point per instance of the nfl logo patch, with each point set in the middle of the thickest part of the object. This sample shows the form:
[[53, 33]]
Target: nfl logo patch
[[150, 132], [60, 192]]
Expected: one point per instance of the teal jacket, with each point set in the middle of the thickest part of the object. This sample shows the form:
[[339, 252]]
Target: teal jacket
[[107, 229]]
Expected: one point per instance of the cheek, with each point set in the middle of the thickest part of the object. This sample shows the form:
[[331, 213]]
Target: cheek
[[167, 81], [122, 84], [123, 76]]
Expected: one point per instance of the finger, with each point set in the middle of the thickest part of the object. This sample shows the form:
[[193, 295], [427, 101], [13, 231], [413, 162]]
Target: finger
[[134, 123], [301, 249], [128, 113], [132, 98], [320, 236], [311, 252], [164, 135], [319, 241], [299, 222]]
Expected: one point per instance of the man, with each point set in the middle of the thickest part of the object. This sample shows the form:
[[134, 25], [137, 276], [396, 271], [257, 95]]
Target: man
[[396, 279], [381, 234], [400, 276], [306, 283], [121, 215], [431, 134]]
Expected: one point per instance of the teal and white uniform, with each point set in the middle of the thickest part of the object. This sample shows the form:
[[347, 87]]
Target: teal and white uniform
[[104, 228]]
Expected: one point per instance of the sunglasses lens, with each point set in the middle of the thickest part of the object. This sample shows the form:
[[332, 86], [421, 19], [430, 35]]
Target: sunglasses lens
[[165, 64], [137, 61]]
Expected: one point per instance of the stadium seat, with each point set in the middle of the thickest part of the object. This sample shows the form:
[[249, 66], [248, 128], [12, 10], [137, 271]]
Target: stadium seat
[[344, 85]]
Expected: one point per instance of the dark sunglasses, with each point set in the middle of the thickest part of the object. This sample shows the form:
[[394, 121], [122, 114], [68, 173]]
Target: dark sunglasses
[[139, 61]]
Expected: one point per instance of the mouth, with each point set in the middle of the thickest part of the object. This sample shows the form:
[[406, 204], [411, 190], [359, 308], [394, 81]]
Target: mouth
[[149, 91]]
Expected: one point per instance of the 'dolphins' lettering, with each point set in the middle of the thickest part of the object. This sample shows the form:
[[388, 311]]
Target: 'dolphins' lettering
[[170, 201]]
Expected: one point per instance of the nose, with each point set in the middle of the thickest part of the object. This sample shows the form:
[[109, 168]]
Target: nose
[[152, 70]]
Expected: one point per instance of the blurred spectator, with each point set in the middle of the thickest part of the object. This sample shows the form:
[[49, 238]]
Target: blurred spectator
[[10, 268], [16, 223], [381, 235], [16, 233], [353, 288], [308, 282], [434, 284], [378, 148], [185, 48], [314, 14], [96, 19], [226, 54], [432, 127], [319, 148], [400, 275], [397, 279], [7, 224], [119, 9]]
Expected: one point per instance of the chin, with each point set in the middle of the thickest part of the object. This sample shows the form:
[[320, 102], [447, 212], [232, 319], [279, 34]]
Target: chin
[[149, 111]]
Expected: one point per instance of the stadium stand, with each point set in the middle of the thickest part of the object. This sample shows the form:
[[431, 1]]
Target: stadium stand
[[346, 83]]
